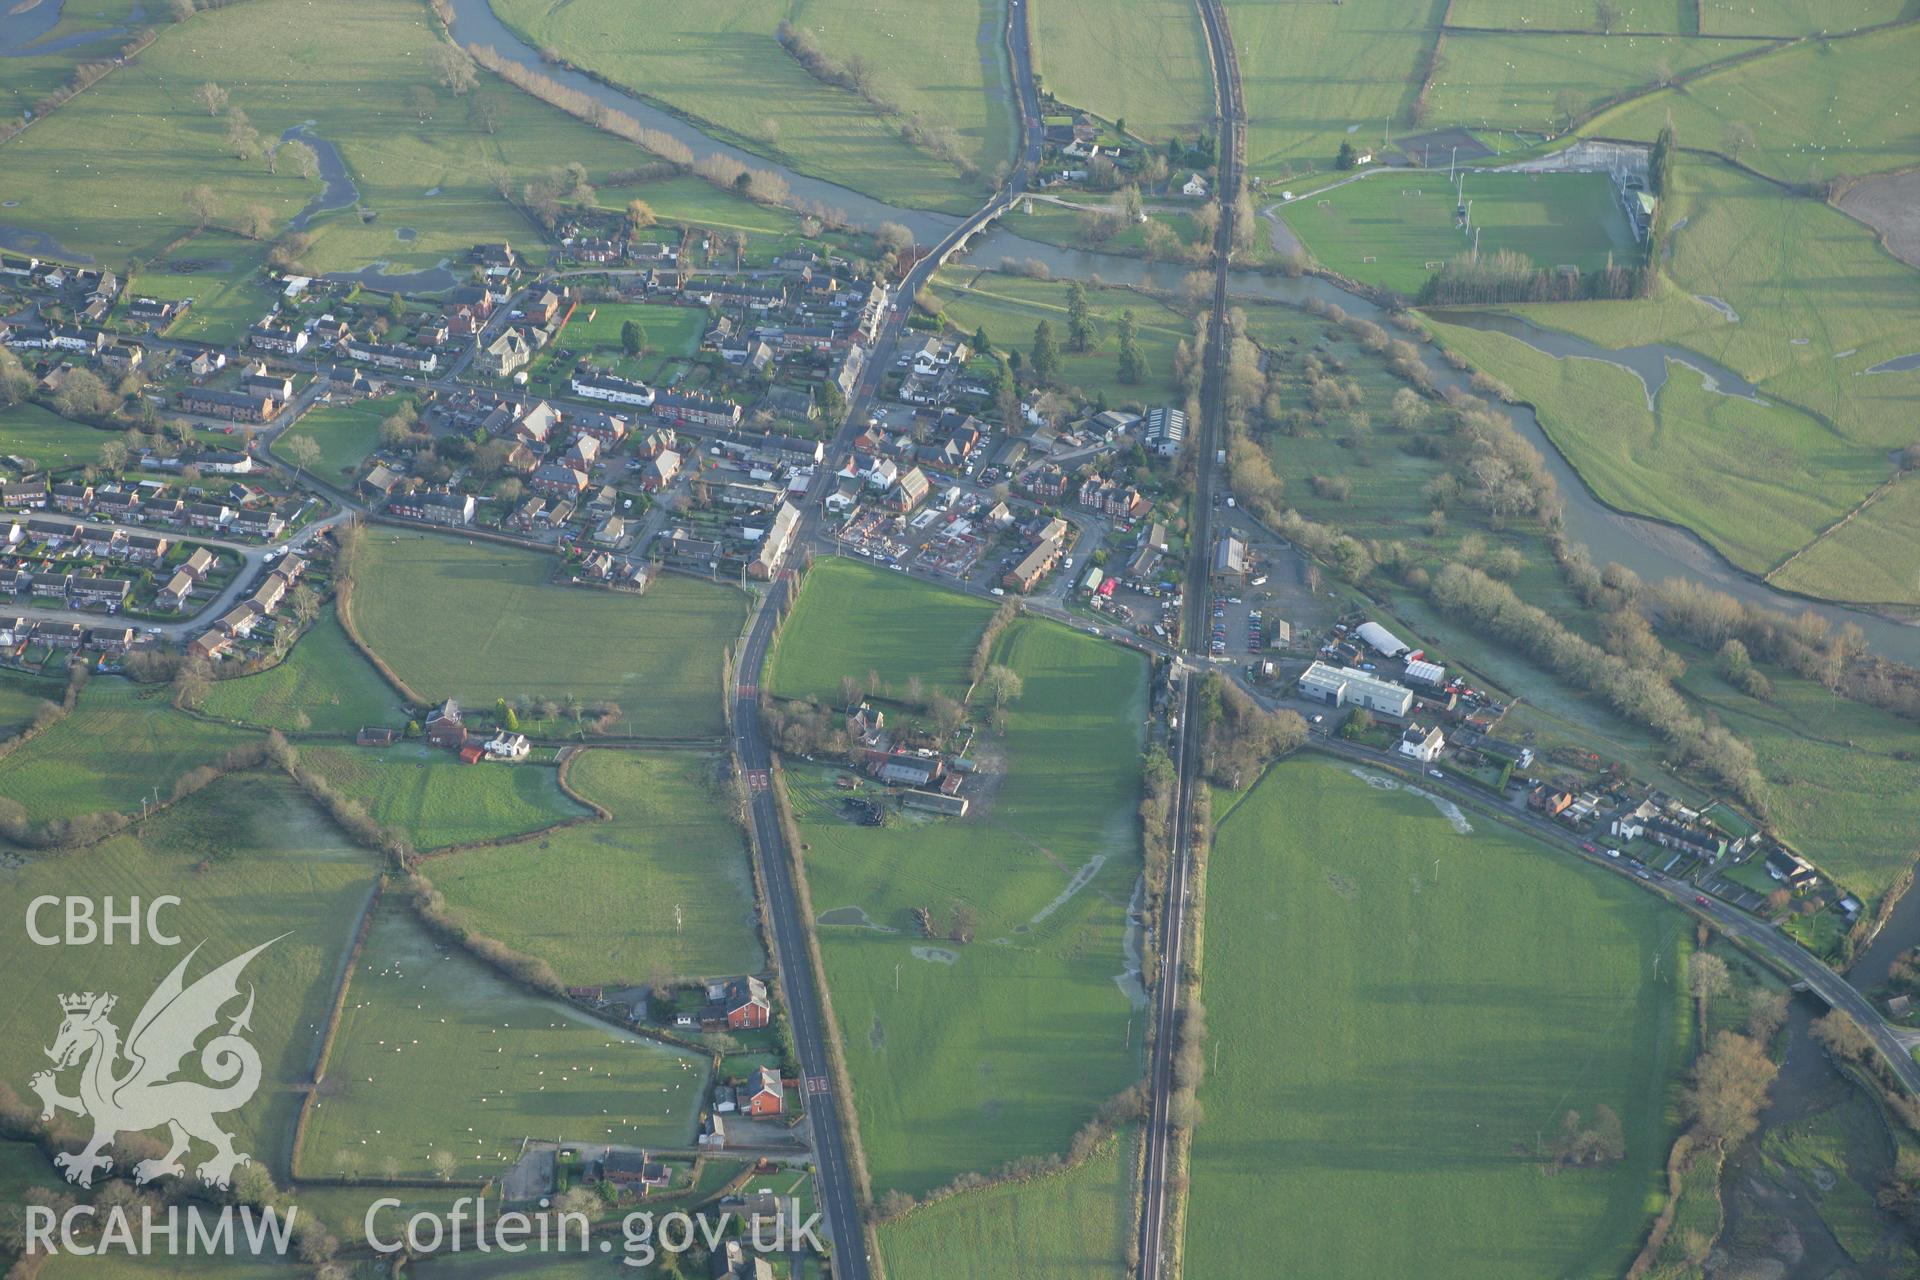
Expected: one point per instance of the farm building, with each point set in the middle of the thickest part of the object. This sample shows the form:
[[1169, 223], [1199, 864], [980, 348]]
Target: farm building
[[1381, 640], [936, 802]]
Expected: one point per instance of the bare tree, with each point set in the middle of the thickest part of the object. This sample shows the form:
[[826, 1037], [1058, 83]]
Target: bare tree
[[305, 452], [212, 97], [454, 69]]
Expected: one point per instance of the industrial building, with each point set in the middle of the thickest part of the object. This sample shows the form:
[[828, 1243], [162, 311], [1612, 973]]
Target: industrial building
[[1343, 686]]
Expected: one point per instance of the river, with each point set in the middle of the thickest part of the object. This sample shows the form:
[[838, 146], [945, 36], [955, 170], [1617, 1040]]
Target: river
[[20, 29]]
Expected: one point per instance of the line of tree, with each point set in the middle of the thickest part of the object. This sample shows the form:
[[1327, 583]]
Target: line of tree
[[1506, 276], [583, 106]]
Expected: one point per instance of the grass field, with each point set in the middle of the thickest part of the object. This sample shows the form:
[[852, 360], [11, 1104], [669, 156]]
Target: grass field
[[966, 1056], [438, 801], [1636, 16], [671, 333], [1070, 1226], [436, 1048], [1385, 229], [1399, 1012], [98, 28], [1009, 307], [1794, 17], [1756, 481], [854, 619], [1839, 785], [228, 290], [1056, 224], [931, 61], [324, 685], [663, 890], [1872, 554], [346, 432], [43, 436], [1144, 63], [1818, 300], [251, 859], [21, 697], [497, 629], [1516, 81], [1317, 75], [1840, 1152], [120, 743], [1815, 110], [108, 173]]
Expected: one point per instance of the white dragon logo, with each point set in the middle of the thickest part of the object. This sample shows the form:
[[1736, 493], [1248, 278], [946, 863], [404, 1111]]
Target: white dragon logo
[[145, 1095]]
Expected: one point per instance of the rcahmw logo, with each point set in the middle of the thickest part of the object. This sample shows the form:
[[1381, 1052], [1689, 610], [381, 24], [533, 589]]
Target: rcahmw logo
[[130, 1086]]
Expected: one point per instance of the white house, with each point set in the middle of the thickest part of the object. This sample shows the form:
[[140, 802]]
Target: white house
[[1422, 744], [507, 746], [1195, 185]]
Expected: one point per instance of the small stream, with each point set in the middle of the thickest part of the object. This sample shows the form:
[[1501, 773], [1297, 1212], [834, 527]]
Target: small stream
[[339, 191]]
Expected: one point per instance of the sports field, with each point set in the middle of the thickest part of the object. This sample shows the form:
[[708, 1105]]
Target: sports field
[[1394, 230], [1010, 306], [1518, 81], [108, 173], [436, 1053], [931, 61], [1144, 63], [121, 743], [855, 619], [663, 891], [967, 1055], [1814, 111], [346, 433], [438, 801], [480, 622], [324, 685], [1757, 481], [1067, 1226], [251, 860], [29, 431], [1398, 1012]]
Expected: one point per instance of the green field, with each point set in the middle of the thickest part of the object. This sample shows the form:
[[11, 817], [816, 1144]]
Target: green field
[[120, 744], [1144, 63], [1872, 553], [494, 628], [44, 437], [931, 61], [1794, 17], [1399, 1012], [1066, 1226], [108, 173], [435, 1047], [251, 860], [436, 800], [671, 333], [1815, 110], [662, 891], [1839, 786], [31, 76], [1818, 299], [1057, 224], [1317, 75], [346, 431], [324, 686], [1517, 81], [854, 619], [1386, 229], [1757, 481], [1010, 306], [229, 292], [1638, 16], [966, 1056], [21, 697]]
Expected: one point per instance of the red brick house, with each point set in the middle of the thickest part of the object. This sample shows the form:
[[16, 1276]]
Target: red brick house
[[445, 728], [747, 1005], [763, 1094]]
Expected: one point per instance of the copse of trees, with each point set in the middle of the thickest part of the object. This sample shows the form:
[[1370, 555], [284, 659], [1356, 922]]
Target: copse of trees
[[1238, 735]]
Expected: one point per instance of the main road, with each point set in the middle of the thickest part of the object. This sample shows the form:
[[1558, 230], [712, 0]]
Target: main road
[[1154, 1253], [786, 922]]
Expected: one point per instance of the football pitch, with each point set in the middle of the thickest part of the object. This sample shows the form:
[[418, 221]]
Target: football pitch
[[1396, 229]]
